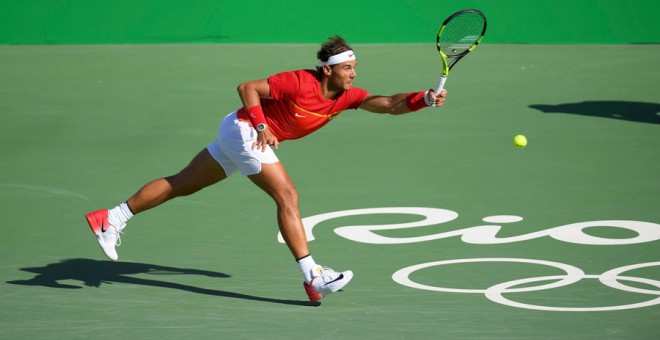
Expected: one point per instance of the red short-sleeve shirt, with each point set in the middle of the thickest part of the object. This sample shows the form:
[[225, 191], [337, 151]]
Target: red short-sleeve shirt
[[297, 107]]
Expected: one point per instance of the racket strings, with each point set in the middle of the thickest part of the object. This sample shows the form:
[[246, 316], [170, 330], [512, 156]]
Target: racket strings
[[460, 34]]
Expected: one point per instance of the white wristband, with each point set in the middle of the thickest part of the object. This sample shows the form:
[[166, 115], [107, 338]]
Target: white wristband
[[427, 98]]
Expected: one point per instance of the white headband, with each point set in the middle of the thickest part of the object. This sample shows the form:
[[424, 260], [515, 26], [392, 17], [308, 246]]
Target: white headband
[[339, 58]]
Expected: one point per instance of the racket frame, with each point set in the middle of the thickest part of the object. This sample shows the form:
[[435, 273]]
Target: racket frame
[[446, 63]]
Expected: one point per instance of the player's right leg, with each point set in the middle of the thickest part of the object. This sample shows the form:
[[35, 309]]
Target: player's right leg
[[202, 171], [107, 225]]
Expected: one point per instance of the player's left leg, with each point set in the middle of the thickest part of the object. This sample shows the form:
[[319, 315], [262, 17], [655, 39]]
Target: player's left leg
[[319, 281], [275, 181]]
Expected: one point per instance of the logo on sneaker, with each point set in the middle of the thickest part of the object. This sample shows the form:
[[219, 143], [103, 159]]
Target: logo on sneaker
[[341, 276], [103, 227]]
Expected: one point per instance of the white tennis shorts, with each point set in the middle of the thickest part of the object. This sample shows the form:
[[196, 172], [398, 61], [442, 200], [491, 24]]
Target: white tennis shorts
[[233, 148]]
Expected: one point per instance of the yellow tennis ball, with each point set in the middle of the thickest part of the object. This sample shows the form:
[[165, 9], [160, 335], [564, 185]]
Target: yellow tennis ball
[[520, 141]]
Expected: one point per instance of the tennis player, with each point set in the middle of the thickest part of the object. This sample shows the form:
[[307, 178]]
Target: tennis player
[[287, 105]]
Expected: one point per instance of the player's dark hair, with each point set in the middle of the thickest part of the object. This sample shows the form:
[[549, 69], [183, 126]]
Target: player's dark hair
[[334, 45]]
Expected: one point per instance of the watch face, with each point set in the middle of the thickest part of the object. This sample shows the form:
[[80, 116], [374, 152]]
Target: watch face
[[261, 127]]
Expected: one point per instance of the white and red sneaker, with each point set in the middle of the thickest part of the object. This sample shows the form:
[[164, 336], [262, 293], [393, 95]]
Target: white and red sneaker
[[326, 281], [106, 234]]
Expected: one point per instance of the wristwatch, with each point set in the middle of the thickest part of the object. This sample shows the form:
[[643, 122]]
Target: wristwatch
[[261, 127]]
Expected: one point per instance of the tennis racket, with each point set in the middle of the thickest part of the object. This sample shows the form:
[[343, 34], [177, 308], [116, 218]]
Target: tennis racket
[[458, 36]]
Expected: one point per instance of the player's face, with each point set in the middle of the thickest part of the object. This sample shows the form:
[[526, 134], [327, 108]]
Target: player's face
[[342, 75]]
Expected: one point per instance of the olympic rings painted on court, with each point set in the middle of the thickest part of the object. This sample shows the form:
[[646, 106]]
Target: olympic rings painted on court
[[611, 278]]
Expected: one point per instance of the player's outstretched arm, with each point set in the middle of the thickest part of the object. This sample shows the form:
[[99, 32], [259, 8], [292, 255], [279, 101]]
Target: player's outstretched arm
[[401, 103]]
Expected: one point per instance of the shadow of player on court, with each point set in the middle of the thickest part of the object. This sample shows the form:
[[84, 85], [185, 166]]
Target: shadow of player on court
[[94, 273], [624, 110]]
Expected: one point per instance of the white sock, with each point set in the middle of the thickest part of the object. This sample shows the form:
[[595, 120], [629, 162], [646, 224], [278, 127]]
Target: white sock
[[119, 215], [306, 264]]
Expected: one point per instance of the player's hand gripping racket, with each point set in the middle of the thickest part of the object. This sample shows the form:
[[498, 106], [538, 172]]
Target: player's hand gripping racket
[[458, 36]]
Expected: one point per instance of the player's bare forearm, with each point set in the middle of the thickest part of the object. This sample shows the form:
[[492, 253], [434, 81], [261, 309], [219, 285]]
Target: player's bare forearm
[[394, 104]]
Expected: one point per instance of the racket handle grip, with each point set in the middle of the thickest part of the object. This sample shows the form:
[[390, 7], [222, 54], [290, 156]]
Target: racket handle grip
[[441, 85]]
